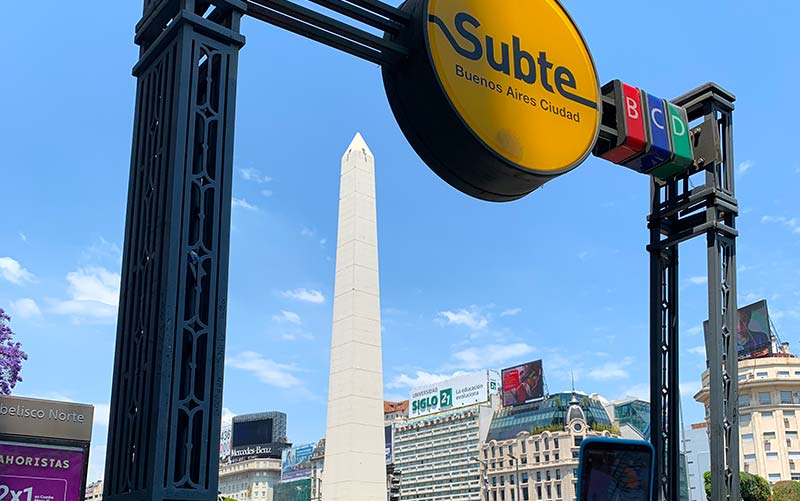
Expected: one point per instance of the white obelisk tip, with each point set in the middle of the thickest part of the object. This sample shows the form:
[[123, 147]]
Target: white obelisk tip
[[358, 144]]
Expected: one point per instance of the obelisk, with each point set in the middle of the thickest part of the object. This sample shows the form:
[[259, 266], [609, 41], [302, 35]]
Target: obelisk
[[355, 464]]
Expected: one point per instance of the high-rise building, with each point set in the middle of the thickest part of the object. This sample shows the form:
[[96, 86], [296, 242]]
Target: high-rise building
[[698, 459], [532, 450], [769, 402], [434, 448]]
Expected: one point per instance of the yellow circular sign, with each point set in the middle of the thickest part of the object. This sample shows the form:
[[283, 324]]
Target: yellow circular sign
[[521, 78]]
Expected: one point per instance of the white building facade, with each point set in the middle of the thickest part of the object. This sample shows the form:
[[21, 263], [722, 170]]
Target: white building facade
[[250, 480], [769, 416], [434, 449], [532, 451]]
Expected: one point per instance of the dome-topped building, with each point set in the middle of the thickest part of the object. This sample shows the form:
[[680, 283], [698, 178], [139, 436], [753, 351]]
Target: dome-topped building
[[531, 451]]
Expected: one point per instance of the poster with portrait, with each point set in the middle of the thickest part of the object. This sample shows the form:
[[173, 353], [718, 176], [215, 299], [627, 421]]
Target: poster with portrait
[[523, 383], [753, 334]]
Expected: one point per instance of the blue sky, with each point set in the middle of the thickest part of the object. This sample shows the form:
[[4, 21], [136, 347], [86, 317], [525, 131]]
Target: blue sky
[[561, 275]]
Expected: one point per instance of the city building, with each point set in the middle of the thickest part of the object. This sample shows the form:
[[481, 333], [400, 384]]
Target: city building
[[532, 450], [317, 468], [769, 403], [433, 449], [94, 491], [250, 480], [698, 459], [632, 416], [394, 411]]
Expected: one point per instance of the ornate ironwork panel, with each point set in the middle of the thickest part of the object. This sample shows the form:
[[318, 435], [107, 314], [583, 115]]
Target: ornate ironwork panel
[[168, 370]]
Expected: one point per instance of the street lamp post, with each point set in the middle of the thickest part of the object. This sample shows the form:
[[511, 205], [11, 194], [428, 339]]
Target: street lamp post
[[516, 463], [483, 475]]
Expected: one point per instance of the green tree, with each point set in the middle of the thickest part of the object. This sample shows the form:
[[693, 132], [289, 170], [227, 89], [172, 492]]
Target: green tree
[[751, 487], [786, 491]]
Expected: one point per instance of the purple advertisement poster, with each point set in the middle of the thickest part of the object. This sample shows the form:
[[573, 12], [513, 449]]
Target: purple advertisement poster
[[40, 473]]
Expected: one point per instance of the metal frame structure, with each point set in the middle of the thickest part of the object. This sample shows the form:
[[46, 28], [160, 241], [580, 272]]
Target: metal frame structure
[[168, 369], [679, 213], [166, 400]]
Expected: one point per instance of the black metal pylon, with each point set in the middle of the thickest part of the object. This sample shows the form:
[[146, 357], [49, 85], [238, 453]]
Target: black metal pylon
[[166, 397], [680, 212]]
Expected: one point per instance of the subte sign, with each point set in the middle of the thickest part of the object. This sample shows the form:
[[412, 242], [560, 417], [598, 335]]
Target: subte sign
[[496, 97]]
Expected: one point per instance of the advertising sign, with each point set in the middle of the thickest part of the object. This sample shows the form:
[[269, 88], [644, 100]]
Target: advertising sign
[[296, 490], [387, 436], [254, 436], [512, 83], [296, 462], [752, 331], [523, 383], [45, 418], [450, 394], [40, 473]]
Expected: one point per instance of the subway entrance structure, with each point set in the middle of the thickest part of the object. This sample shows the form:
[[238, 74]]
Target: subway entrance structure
[[495, 105]]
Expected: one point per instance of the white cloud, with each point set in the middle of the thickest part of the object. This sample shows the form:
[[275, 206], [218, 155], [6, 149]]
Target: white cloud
[[93, 291], [25, 308], [745, 166], [694, 331], [306, 232], [294, 336], [227, 416], [611, 370], [420, 378], [97, 462], [472, 318], [698, 280], [288, 316], [307, 295], [266, 193], [244, 204], [511, 312], [102, 414], [323, 241], [698, 350], [267, 371], [792, 223], [640, 391], [689, 388], [11, 270], [491, 355], [103, 249], [23, 237], [254, 175]]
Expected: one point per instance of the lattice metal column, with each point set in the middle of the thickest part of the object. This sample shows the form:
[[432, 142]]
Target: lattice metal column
[[722, 312], [664, 348], [168, 370]]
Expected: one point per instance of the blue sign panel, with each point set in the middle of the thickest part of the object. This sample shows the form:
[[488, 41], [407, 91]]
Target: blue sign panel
[[658, 134]]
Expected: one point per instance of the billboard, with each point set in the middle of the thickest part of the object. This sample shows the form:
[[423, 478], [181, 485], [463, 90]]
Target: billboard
[[296, 490], [31, 472], [752, 331], [252, 432], [453, 393], [387, 439], [256, 436], [523, 383], [296, 462]]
